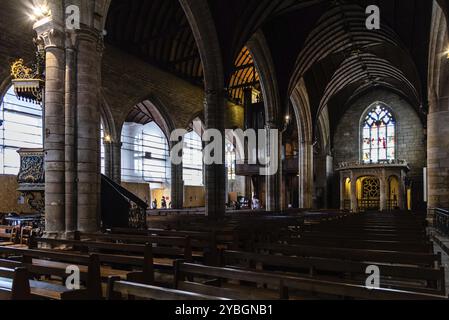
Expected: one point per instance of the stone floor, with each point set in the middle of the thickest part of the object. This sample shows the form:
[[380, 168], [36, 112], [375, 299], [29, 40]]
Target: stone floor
[[441, 244]]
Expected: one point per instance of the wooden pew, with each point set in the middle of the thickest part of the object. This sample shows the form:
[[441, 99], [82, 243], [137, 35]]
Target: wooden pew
[[202, 244], [14, 284], [375, 256], [284, 285], [118, 289], [124, 256], [418, 247], [8, 235], [403, 277], [165, 245], [48, 263]]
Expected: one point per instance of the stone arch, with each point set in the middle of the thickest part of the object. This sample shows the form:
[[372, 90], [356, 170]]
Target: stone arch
[[203, 27], [261, 54], [438, 117], [4, 87], [301, 107]]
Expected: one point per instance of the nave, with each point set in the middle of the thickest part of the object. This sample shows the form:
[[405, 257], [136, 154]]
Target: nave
[[303, 256]]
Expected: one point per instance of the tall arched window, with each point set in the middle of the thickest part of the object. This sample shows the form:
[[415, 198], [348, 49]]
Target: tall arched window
[[192, 159], [20, 127], [230, 157], [145, 154], [379, 135]]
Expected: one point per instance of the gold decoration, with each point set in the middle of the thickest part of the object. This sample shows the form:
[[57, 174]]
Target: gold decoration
[[21, 71], [28, 82]]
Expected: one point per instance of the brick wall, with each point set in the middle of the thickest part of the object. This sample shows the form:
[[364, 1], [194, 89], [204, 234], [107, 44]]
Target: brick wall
[[128, 80]]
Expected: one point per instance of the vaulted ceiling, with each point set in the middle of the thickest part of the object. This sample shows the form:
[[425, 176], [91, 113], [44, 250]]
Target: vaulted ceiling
[[324, 42]]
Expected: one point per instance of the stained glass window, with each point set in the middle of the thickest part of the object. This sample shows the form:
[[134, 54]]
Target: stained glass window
[[379, 135]]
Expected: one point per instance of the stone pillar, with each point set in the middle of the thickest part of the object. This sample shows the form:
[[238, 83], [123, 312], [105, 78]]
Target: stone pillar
[[88, 123], [177, 186], [70, 136], [52, 37], [438, 154], [116, 159], [108, 171], [329, 178], [402, 193], [342, 191], [215, 174], [306, 175], [248, 187], [354, 200], [273, 181], [383, 192]]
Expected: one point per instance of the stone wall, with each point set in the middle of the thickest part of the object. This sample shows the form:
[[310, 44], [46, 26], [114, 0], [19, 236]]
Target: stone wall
[[128, 80], [410, 139]]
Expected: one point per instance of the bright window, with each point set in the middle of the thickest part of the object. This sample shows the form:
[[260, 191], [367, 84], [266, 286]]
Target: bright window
[[379, 135], [20, 127], [145, 154], [230, 161], [192, 160]]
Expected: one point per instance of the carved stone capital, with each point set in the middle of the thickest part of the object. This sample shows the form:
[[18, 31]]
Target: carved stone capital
[[49, 33]]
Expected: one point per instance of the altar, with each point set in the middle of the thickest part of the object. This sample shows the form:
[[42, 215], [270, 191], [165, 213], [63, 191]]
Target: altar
[[366, 186]]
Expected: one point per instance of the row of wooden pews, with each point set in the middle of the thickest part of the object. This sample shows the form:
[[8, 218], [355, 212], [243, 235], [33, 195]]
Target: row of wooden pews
[[292, 260]]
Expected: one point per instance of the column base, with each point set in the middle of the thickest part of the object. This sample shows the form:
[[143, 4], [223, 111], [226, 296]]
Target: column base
[[52, 235]]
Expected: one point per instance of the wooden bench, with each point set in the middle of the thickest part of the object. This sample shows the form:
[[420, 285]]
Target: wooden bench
[[118, 289], [8, 235], [375, 256], [123, 260], [427, 280], [283, 285], [14, 284], [163, 245], [48, 264], [418, 247]]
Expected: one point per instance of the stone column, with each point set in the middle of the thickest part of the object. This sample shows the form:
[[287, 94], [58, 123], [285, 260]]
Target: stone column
[[354, 200], [116, 158], [402, 193], [306, 175], [52, 37], [70, 136], [88, 123], [273, 181], [108, 171], [438, 154], [215, 174], [177, 186], [342, 191]]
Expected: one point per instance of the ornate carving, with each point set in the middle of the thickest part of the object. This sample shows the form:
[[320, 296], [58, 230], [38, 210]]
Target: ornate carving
[[50, 37], [21, 71], [371, 188], [28, 81], [137, 217], [31, 169]]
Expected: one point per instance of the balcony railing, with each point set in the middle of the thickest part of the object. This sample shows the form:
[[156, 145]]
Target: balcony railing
[[442, 221], [362, 164], [290, 165]]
